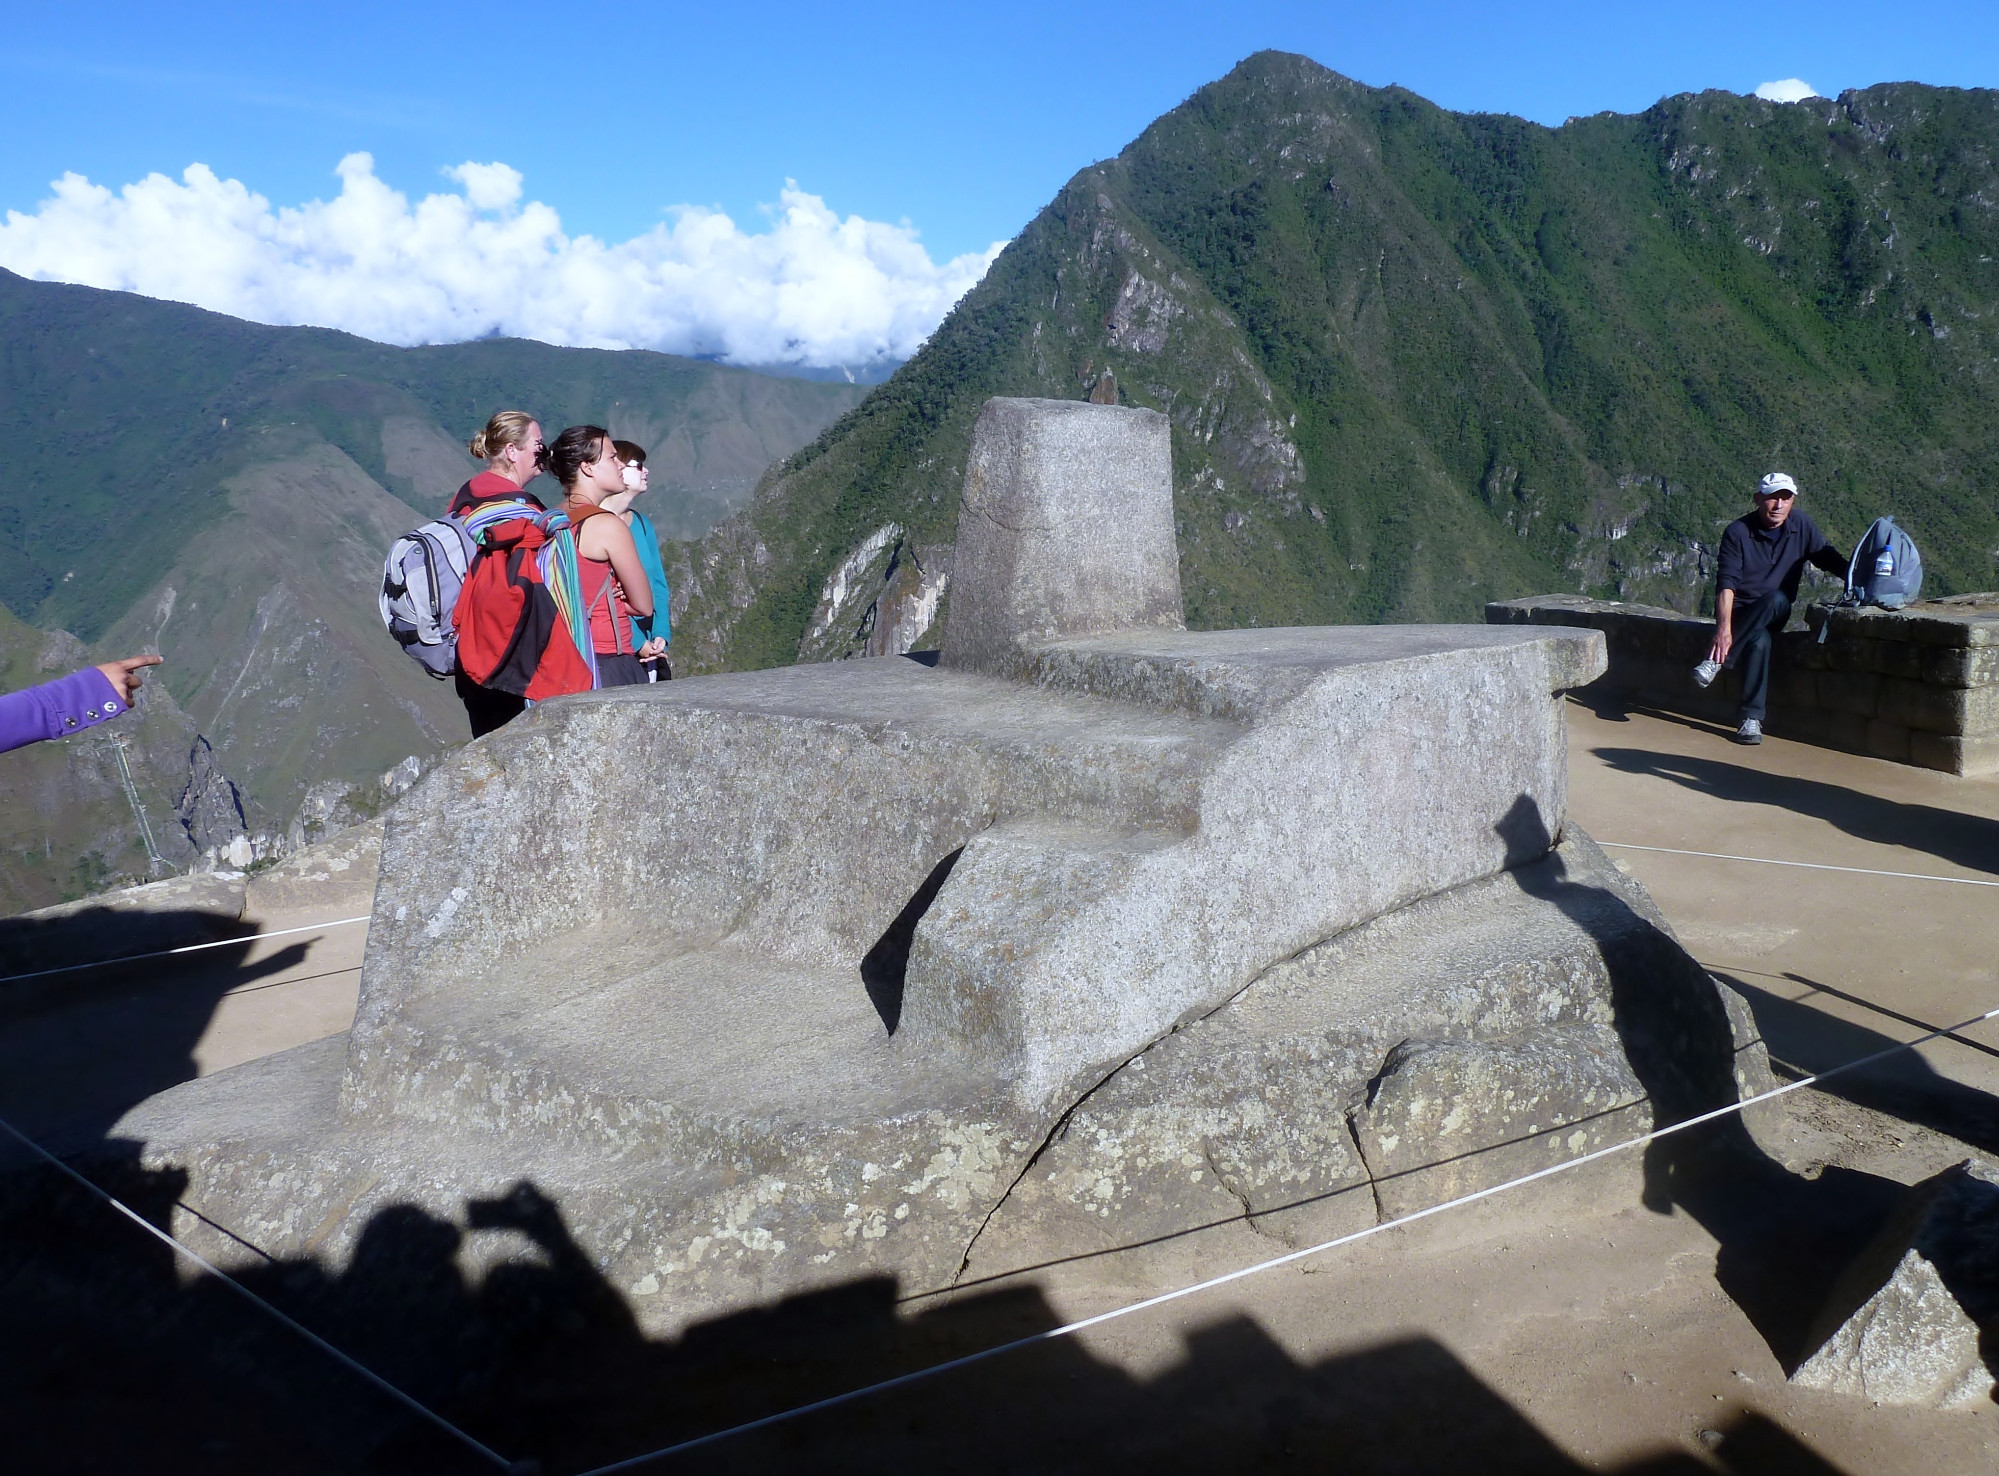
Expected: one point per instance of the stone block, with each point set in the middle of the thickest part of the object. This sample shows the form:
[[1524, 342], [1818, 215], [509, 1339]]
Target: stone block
[[1919, 705], [1970, 757], [1445, 1118], [1927, 623], [1065, 529], [1888, 740], [799, 989], [1902, 659], [1855, 692], [1905, 1322], [1961, 666], [339, 872], [1843, 730], [1847, 652], [1969, 711], [197, 908], [1792, 687]]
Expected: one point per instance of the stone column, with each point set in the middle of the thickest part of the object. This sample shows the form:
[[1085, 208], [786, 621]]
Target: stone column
[[1065, 529]]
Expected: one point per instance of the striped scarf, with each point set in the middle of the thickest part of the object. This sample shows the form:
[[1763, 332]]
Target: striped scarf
[[557, 559]]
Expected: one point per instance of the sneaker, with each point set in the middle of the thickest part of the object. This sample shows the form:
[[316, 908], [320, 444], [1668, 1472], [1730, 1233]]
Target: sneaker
[[1706, 672], [1751, 731]]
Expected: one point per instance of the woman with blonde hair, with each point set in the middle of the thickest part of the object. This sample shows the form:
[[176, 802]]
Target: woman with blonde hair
[[512, 449]]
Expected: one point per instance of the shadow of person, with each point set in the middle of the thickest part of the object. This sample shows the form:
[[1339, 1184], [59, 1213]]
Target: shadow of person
[[541, 1361], [1970, 841], [80, 1047], [1804, 1041], [507, 1327], [1782, 1239]]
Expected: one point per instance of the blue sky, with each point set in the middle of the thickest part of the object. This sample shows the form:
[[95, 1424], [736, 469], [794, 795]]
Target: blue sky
[[959, 120], [963, 119]]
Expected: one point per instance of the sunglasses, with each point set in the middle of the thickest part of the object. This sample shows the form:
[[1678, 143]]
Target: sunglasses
[[1776, 496]]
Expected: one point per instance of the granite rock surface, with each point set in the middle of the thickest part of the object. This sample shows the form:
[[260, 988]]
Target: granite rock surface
[[777, 979]]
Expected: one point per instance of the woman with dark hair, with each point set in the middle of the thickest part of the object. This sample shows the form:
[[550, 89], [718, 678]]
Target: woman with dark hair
[[611, 579], [650, 633]]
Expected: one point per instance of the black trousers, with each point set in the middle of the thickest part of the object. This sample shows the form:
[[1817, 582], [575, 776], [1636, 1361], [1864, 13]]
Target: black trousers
[[485, 708], [619, 669], [1754, 626]]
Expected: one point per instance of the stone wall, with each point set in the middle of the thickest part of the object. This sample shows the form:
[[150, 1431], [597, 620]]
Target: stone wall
[[1919, 686]]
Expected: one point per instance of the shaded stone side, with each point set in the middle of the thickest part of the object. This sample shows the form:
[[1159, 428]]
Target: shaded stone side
[[1506, 1026]]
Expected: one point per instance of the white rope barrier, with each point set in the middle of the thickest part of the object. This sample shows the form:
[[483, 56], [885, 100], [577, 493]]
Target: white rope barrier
[[353, 1365], [1962, 881], [1072, 1328], [106, 963]]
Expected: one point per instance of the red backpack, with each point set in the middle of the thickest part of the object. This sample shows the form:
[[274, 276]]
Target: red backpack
[[511, 634]]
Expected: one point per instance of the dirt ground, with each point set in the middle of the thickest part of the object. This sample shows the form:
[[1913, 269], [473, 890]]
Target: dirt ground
[[1529, 1333]]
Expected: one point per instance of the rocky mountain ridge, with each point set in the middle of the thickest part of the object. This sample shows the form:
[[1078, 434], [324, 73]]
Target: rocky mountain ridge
[[1416, 361]]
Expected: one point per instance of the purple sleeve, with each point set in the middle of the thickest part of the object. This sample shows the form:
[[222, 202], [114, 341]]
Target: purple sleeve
[[83, 699]]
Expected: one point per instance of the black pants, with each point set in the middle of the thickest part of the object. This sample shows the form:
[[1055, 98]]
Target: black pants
[[616, 669], [1754, 626], [486, 708]]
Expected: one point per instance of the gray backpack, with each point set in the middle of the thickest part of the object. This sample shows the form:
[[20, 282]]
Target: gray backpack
[[420, 583], [1885, 569]]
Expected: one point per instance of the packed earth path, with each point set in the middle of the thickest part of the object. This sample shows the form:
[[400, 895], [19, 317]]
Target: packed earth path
[[1524, 1333]]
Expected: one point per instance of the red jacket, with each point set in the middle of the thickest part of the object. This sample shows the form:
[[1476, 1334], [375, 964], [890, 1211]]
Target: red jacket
[[511, 634]]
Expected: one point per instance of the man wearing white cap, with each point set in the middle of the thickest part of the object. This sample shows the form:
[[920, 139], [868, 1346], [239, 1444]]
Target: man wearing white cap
[[1763, 555]]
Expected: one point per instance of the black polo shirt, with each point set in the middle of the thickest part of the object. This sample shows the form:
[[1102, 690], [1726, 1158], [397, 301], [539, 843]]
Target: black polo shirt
[[1755, 560]]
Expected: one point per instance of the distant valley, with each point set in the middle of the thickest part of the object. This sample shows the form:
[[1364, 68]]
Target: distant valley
[[224, 492], [1413, 361]]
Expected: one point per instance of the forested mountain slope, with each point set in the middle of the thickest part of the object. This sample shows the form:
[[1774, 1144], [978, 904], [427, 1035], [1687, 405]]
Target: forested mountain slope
[[1418, 360]]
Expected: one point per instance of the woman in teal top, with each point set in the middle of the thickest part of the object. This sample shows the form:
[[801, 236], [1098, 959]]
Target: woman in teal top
[[650, 633]]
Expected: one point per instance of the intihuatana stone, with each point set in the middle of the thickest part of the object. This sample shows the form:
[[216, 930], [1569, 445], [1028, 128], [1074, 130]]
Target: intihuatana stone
[[799, 985], [1062, 530]]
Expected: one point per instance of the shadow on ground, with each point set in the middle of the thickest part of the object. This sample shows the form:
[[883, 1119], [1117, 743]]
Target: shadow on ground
[[1970, 841], [79, 1047], [1784, 1238], [120, 1362], [1804, 1041], [134, 1371]]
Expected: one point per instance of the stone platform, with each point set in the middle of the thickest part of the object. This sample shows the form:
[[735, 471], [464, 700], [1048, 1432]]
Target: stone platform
[[780, 978], [1919, 685]]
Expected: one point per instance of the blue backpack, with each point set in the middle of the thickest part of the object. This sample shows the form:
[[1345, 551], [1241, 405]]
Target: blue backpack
[[1885, 569]]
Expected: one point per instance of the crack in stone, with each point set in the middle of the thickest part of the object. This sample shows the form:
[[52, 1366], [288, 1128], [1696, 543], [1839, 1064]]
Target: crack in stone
[[1373, 1187], [1249, 1215], [1054, 1132]]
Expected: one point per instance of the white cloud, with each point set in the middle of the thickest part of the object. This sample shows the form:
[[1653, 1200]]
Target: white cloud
[[812, 288], [1791, 89]]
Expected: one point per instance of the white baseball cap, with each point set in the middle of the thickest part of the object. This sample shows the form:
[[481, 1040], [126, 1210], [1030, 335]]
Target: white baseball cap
[[1776, 482]]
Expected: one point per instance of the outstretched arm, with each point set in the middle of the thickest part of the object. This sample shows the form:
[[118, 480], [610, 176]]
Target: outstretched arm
[[83, 699]]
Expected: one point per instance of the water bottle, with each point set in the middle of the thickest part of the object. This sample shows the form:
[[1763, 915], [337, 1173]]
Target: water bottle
[[1884, 562]]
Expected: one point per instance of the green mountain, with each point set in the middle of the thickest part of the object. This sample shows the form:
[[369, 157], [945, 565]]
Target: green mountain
[[1418, 360], [224, 492]]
